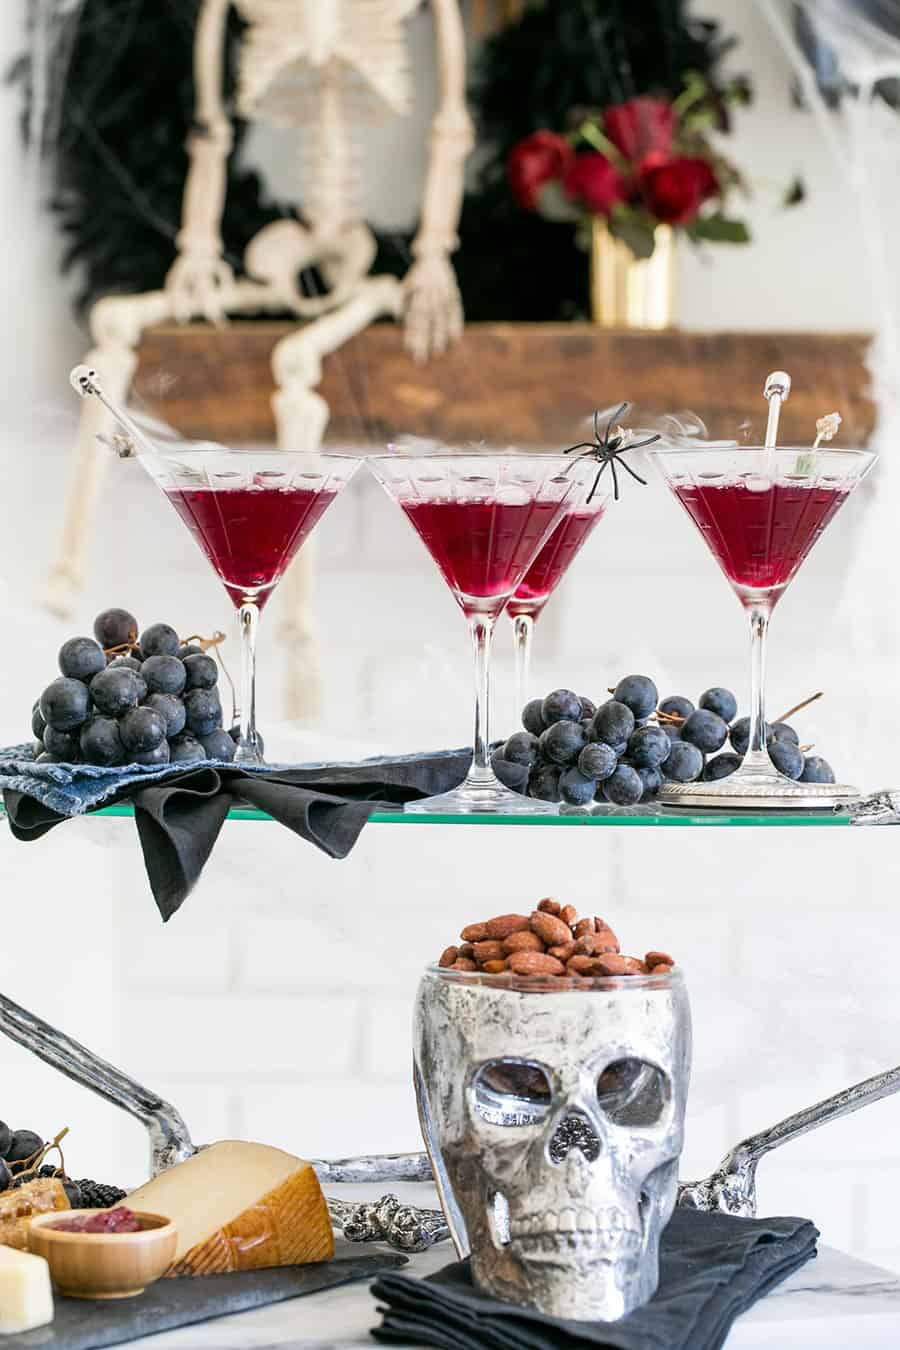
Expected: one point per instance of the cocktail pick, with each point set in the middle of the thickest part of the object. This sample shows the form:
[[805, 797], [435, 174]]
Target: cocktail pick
[[86, 383], [777, 390], [827, 428]]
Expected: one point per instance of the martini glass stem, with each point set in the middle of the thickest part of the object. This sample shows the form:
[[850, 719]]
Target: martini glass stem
[[248, 751], [757, 753], [481, 629], [523, 634]]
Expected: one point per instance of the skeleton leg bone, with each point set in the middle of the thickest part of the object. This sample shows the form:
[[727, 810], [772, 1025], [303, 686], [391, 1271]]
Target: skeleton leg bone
[[301, 415]]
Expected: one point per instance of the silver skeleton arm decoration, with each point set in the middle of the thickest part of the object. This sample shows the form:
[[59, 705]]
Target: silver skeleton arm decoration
[[731, 1187]]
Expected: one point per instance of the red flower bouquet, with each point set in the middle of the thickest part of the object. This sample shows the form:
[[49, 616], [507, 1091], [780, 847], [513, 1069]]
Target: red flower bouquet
[[636, 165]]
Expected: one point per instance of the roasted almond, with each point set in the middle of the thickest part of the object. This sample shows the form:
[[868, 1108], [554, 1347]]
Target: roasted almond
[[463, 964], [585, 926], [504, 924], [661, 970], [525, 941], [658, 959], [491, 950], [562, 953], [535, 963], [595, 944], [614, 964], [579, 965], [568, 914], [549, 906], [475, 932], [605, 939], [550, 929], [448, 956], [467, 950], [494, 967]]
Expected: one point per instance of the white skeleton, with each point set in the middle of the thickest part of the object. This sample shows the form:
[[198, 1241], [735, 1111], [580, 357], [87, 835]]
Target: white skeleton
[[324, 66]]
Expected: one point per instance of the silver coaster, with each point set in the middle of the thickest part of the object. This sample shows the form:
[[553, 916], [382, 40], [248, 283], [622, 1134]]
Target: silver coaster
[[732, 794]]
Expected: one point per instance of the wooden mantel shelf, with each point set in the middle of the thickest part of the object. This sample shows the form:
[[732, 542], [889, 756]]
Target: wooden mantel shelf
[[515, 384]]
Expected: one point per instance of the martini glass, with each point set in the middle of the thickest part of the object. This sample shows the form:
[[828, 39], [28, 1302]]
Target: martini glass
[[760, 511], [483, 516], [249, 511], [543, 577]]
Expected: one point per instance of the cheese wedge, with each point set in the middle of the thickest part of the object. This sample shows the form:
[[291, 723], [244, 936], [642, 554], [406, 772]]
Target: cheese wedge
[[18, 1206], [26, 1299], [240, 1206]]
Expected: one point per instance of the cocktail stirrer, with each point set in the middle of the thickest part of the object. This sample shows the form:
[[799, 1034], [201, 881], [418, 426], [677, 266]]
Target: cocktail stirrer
[[86, 383], [777, 390]]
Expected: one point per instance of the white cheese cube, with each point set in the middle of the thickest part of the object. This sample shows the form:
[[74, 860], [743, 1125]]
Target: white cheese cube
[[26, 1300]]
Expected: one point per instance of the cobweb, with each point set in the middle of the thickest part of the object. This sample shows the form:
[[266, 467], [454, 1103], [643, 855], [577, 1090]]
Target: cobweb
[[863, 135], [52, 25]]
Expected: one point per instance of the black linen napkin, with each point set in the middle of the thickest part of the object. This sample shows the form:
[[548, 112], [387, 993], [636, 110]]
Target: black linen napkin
[[178, 819], [712, 1268]]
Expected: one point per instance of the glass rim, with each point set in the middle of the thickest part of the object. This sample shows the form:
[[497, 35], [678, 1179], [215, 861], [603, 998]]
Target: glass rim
[[170, 450], [476, 452], [557, 984], [660, 451]]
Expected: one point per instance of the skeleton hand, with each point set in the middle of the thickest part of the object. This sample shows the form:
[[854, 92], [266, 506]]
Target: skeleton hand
[[200, 286], [433, 308]]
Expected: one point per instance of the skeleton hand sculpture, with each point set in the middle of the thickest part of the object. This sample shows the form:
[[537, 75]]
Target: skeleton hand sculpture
[[432, 307], [200, 286], [324, 67]]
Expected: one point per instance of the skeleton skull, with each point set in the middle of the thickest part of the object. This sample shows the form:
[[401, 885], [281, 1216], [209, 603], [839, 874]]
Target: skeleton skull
[[554, 1122]]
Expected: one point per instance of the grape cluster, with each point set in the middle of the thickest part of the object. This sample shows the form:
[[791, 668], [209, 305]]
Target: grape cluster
[[128, 699], [624, 750], [21, 1154]]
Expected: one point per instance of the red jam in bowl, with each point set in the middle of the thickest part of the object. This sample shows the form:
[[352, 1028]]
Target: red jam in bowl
[[118, 1220]]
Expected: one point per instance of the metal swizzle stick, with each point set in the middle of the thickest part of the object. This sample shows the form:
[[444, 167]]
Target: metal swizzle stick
[[777, 390], [86, 383]]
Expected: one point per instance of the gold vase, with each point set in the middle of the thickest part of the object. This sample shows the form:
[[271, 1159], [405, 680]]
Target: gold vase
[[627, 292]]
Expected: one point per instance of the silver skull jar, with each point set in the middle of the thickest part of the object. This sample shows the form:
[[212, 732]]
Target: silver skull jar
[[553, 1114]]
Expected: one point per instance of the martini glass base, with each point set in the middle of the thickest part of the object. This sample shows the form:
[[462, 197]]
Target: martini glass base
[[482, 797], [758, 787], [248, 757]]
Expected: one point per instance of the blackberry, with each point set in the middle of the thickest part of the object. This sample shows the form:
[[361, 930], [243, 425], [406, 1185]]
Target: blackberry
[[97, 1195]]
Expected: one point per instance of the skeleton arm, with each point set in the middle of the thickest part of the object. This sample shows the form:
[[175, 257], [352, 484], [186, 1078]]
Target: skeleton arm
[[434, 316], [200, 280]]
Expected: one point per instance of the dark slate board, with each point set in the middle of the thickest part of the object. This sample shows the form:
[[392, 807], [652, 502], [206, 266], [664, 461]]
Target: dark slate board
[[87, 1324]]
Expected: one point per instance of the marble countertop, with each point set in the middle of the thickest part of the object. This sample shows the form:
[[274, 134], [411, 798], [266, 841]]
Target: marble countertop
[[833, 1303]]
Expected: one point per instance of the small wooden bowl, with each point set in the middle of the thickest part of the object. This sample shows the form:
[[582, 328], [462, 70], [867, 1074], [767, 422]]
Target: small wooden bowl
[[103, 1265]]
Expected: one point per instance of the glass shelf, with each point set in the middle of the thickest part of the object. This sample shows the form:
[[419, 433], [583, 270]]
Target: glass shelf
[[635, 815]]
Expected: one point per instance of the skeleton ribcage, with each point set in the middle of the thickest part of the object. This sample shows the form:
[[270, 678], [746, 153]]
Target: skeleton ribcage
[[292, 46]]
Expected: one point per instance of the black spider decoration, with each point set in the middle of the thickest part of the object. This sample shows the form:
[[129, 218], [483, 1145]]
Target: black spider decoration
[[609, 451]]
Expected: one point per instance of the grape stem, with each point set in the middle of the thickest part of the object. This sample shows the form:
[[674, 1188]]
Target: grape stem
[[215, 642], [32, 1163], [673, 719], [800, 706]]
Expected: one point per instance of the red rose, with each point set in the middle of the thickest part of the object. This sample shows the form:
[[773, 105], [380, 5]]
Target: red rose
[[675, 190], [538, 159], [591, 179], [640, 127]]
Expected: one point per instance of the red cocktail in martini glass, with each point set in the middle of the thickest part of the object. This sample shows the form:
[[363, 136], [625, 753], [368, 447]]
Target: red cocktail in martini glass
[[543, 577], [483, 517], [760, 511], [248, 510]]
